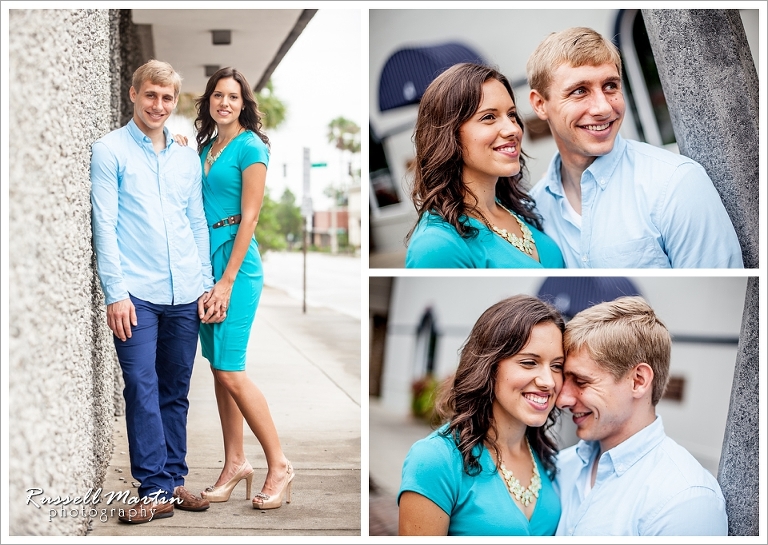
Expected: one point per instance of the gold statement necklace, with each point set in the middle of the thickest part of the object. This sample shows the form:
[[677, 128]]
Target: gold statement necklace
[[523, 495], [525, 245], [212, 159]]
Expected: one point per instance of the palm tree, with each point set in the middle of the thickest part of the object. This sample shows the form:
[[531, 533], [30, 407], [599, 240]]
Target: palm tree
[[344, 134]]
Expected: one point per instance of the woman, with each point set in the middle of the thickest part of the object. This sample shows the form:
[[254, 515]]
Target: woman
[[234, 154], [472, 210], [489, 469]]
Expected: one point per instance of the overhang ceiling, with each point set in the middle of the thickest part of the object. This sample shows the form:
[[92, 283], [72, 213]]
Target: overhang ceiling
[[260, 39]]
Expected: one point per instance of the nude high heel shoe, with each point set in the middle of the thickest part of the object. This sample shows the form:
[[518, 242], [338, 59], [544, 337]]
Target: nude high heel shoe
[[265, 501], [221, 493]]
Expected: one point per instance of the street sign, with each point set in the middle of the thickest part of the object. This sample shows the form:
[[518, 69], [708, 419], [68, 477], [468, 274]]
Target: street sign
[[315, 165]]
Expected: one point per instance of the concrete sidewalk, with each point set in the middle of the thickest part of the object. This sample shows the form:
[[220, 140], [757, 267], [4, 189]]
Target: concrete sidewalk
[[308, 366]]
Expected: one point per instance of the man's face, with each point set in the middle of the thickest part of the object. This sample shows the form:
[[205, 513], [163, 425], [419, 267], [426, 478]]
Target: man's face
[[152, 104], [585, 110], [601, 406]]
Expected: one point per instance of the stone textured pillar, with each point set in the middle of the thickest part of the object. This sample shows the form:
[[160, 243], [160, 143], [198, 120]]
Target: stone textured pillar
[[61, 359], [739, 461], [711, 86]]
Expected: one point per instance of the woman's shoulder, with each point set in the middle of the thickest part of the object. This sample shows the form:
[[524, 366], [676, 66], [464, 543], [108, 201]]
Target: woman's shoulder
[[435, 243], [435, 445]]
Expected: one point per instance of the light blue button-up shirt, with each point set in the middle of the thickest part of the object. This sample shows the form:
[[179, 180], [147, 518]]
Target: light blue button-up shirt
[[646, 486], [641, 207], [149, 229]]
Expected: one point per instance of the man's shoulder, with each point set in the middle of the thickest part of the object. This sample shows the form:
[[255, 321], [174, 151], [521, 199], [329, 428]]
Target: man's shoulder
[[688, 469], [566, 455], [652, 153], [115, 137], [186, 153]]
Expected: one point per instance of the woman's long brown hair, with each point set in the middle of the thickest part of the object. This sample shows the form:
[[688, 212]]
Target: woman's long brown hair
[[250, 116], [450, 100], [466, 399]]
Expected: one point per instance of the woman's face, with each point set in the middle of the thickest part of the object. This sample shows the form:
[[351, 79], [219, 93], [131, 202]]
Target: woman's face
[[528, 383], [490, 139], [226, 101]]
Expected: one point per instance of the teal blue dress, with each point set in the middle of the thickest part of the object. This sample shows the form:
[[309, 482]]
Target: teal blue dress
[[436, 244], [224, 344], [477, 505]]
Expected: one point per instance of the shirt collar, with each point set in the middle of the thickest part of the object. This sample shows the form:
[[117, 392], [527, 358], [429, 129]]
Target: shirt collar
[[626, 454], [601, 169], [143, 139]]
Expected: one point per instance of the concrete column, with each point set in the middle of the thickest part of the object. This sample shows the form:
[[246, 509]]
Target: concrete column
[[711, 86], [60, 362], [739, 461]]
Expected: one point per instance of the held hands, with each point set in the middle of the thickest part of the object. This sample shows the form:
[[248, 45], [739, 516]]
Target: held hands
[[120, 317], [212, 306]]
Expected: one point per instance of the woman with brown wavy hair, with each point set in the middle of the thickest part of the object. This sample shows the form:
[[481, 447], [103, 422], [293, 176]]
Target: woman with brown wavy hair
[[234, 152], [489, 469], [473, 213]]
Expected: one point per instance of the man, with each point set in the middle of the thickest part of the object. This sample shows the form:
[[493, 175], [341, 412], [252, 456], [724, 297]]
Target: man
[[610, 202], [625, 476], [152, 254]]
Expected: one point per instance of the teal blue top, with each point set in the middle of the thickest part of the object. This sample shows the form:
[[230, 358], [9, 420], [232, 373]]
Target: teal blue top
[[480, 505], [436, 244], [223, 185]]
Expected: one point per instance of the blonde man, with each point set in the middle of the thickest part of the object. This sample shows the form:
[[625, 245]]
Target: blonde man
[[610, 202], [625, 476], [152, 255]]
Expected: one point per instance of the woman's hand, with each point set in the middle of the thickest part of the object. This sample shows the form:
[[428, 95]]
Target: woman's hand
[[181, 139], [217, 303]]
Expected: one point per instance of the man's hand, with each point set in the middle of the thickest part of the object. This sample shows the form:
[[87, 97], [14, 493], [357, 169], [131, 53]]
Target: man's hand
[[120, 317], [215, 306], [205, 310]]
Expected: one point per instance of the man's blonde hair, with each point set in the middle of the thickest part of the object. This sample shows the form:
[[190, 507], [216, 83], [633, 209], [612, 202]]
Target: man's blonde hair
[[159, 73], [618, 335], [577, 46]]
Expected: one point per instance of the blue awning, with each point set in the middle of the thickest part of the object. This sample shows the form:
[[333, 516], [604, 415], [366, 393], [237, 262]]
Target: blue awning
[[409, 71], [571, 295]]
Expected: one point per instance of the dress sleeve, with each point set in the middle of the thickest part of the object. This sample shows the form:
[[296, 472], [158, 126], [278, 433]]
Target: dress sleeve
[[438, 247], [254, 151], [430, 470]]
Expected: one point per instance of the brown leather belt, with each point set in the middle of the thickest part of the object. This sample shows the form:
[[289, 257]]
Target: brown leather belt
[[231, 220]]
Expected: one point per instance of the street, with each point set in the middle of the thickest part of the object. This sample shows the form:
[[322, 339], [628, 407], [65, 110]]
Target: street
[[333, 281]]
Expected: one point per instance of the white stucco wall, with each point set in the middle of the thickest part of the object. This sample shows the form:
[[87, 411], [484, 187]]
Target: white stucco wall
[[61, 365]]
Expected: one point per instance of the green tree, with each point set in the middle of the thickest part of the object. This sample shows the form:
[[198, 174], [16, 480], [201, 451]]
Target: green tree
[[337, 193], [344, 134], [268, 232], [271, 106], [289, 216]]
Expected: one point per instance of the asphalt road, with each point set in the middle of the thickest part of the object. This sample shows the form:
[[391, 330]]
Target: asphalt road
[[332, 281]]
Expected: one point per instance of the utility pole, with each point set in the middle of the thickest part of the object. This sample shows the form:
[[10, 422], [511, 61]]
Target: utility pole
[[306, 212]]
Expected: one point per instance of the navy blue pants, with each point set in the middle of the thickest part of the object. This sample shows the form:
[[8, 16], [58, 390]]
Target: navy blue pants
[[157, 367]]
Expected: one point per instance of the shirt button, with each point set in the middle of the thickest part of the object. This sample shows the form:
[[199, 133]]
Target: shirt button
[[584, 259]]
